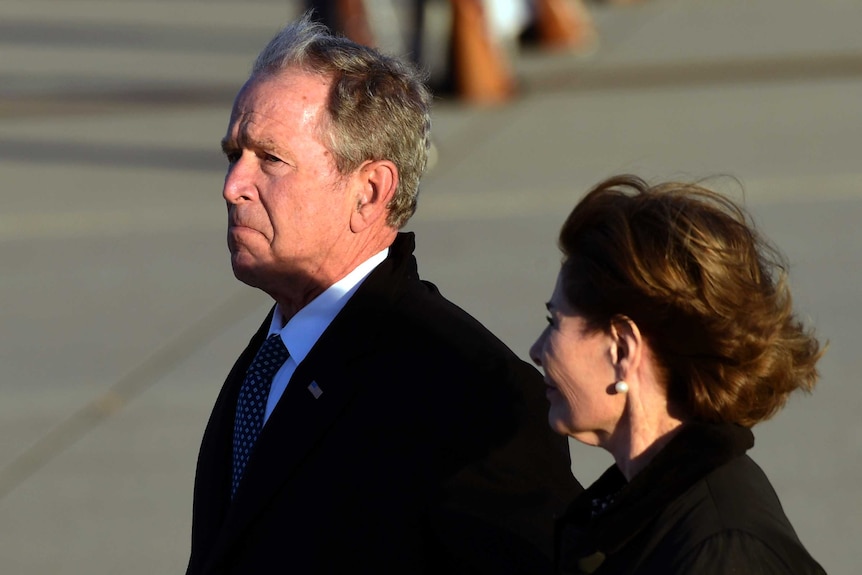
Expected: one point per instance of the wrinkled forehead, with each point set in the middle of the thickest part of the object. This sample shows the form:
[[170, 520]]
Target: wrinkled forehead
[[293, 100]]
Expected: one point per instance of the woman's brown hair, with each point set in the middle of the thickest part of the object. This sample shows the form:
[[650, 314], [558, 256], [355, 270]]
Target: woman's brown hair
[[707, 292]]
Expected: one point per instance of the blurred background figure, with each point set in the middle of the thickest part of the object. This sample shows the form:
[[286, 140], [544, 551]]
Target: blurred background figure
[[466, 45], [350, 17]]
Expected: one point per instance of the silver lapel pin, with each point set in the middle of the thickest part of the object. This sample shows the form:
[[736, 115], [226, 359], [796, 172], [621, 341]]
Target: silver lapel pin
[[315, 390]]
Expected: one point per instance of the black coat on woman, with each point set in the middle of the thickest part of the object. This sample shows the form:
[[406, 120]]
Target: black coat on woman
[[700, 506]]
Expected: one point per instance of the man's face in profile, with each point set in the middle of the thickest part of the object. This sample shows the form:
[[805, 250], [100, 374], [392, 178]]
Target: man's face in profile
[[288, 206]]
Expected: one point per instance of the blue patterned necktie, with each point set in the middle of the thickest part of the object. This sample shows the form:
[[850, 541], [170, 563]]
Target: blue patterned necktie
[[251, 404]]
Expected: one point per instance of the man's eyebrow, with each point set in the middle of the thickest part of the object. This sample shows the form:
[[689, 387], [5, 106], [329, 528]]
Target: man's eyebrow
[[264, 144], [231, 143]]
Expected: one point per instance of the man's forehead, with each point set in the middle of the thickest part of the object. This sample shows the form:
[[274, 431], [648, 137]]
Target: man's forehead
[[289, 85], [251, 128], [288, 101], [248, 122]]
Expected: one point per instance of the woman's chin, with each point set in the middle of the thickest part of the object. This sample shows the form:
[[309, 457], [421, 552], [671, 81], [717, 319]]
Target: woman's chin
[[562, 424], [558, 421]]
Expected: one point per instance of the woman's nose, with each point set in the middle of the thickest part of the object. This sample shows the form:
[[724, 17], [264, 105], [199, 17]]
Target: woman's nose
[[536, 350]]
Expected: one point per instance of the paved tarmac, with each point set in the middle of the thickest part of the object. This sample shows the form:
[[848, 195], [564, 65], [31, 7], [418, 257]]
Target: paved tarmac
[[121, 316]]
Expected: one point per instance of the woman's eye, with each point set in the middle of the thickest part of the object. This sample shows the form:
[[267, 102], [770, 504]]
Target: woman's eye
[[550, 320]]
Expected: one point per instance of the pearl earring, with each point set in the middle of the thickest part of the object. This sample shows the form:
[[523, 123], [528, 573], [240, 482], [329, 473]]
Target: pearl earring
[[621, 386]]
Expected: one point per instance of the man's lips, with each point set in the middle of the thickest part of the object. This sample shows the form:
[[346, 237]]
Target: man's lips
[[240, 234], [236, 227]]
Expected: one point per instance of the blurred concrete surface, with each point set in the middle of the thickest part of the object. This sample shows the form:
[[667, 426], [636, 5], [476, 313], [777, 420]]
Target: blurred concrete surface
[[121, 316]]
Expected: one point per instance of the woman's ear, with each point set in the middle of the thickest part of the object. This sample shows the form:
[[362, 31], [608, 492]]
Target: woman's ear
[[626, 345]]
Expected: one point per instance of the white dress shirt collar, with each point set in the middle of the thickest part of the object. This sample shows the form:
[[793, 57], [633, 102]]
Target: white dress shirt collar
[[305, 328]]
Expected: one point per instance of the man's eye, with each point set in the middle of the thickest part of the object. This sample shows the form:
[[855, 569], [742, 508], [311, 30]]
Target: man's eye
[[232, 157], [271, 159]]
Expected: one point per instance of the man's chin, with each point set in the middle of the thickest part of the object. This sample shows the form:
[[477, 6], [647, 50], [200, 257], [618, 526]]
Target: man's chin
[[245, 271]]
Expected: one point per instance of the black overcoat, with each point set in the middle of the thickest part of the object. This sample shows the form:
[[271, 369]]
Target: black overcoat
[[427, 452], [700, 506]]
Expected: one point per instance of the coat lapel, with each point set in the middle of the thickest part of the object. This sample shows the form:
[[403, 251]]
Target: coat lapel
[[303, 415], [212, 483]]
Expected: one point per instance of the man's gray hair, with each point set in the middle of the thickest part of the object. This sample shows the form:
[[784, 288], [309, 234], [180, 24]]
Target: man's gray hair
[[379, 107]]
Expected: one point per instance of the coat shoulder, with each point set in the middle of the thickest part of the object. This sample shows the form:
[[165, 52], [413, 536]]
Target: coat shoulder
[[730, 521]]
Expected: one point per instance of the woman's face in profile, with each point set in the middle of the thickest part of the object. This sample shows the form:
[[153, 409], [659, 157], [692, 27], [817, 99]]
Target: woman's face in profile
[[579, 374]]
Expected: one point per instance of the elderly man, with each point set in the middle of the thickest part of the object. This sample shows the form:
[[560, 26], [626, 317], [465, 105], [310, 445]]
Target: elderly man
[[370, 426]]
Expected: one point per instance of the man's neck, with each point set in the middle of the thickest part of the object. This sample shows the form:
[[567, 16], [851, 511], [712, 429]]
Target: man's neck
[[294, 293], [290, 306]]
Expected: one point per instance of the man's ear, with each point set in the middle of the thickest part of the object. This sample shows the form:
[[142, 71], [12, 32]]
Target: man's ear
[[377, 182], [626, 347]]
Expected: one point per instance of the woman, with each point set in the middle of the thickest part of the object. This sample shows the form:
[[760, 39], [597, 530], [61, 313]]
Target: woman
[[670, 334]]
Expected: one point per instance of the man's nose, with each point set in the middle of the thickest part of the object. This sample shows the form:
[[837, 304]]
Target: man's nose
[[239, 180]]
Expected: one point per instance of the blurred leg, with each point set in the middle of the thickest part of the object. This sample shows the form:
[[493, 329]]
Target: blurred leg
[[481, 69], [564, 24], [347, 17]]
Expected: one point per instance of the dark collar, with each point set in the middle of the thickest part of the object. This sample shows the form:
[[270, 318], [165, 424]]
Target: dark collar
[[696, 450], [404, 244], [401, 251]]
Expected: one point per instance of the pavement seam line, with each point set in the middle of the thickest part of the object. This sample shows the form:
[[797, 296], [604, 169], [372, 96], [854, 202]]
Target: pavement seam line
[[121, 393]]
